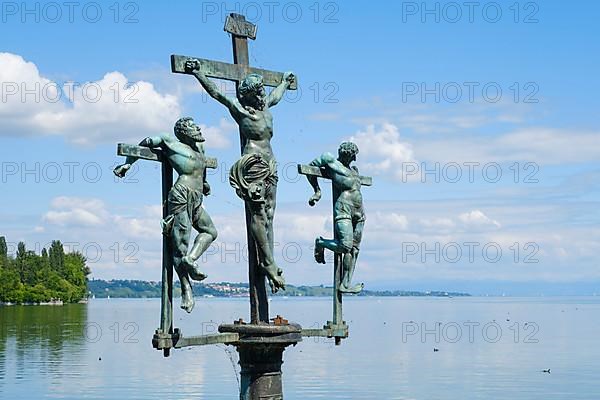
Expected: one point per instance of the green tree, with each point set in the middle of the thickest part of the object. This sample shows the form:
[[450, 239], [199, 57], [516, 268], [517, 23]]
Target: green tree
[[31, 264], [20, 259], [3, 252], [56, 255], [11, 288], [43, 267], [76, 272], [37, 294], [29, 277], [21, 250]]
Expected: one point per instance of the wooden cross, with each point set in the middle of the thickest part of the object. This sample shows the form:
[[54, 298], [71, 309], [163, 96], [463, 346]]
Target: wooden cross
[[166, 302], [337, 326], [241, 30]]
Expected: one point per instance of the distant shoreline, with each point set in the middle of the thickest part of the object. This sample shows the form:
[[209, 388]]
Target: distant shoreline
[[99, 288], [43, 303]]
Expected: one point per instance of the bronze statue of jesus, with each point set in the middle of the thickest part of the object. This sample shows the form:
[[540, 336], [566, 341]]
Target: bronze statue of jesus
[[254, 175]]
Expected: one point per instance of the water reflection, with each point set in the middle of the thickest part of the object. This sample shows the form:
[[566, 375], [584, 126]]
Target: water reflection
[[103, 351], [40, 339]]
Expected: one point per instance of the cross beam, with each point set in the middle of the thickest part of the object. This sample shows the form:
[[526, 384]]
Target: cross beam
[[228, 72], [322, 173], [337, 326], [146, 153], [241, 30], [166, 302]]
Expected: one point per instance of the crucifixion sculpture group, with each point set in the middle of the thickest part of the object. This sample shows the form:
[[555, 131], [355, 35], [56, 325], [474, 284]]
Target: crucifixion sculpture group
[[254, 178]]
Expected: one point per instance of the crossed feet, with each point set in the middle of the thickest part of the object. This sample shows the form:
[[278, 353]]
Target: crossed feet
[[352, 289], [187, 297], [192, 269]]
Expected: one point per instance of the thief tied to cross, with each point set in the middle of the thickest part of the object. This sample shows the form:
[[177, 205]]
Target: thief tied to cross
[[348, 214], [182, 207]]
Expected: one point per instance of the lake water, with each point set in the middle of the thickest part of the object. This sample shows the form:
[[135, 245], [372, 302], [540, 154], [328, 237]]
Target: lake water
[[488, 348]]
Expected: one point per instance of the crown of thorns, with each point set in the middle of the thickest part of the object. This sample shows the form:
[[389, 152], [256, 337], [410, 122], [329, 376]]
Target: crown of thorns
[[250, 84]]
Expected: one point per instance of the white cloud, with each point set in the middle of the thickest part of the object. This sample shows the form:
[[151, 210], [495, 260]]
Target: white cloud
[[98, 111], [17, 78], [437, 223], [146, 226], [107, 110], [550, 146], [540, 145], [476, 218], [301, 226], [438, 118], [72, 202], [399, 221], [218, 137], [563, 251], [388, 221], [73, 211], [381, 150]]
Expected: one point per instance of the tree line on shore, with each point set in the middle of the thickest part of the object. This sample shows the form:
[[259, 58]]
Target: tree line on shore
[[28, 277]]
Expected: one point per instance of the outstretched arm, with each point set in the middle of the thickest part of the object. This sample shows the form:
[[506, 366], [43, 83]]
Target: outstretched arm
[[325, 160], [150, 142], [192, 66], [328, 160], [277, 94]]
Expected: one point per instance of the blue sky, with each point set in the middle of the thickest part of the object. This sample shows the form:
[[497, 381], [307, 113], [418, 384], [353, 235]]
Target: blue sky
[[416, 89]]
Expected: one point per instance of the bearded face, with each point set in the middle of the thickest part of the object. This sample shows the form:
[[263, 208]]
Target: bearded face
[[347, 158], [347, 153], [194, 133], [189, 133], [256, 99]]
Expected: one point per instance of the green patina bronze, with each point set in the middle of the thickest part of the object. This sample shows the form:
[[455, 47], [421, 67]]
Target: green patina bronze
[[261, 342], [183, 152], [254, 176], [349, 219]]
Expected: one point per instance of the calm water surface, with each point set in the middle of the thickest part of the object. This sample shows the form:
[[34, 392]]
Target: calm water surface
[[488, 348]]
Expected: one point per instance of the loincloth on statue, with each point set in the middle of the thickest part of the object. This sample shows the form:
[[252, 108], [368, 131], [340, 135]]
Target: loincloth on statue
[[349, 236], [253, 176], [344, 209], [183, 199]]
